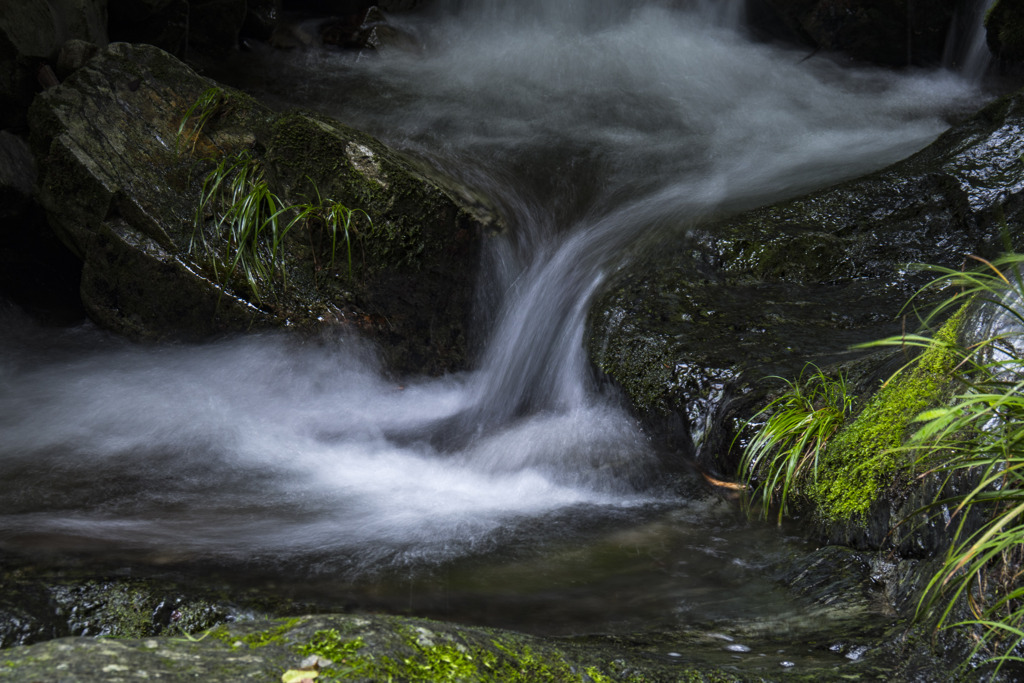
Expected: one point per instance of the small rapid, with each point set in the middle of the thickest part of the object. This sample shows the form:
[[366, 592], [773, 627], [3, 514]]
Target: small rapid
[[592, 124]]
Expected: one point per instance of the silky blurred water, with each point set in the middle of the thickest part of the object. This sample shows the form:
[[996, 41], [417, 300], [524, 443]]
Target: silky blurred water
[[591, 124]]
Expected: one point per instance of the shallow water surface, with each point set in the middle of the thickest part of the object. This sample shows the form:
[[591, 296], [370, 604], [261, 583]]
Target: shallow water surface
[[518, 493]]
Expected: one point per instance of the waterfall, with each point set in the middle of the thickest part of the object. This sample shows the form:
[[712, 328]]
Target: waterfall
[[593, 124], [967, 50]]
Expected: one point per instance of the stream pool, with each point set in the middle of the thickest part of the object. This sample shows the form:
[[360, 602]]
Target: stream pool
[[302, 467]]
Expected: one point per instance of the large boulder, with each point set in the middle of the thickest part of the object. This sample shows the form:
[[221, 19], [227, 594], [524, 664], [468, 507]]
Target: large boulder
[[121, 179], [686, 331]]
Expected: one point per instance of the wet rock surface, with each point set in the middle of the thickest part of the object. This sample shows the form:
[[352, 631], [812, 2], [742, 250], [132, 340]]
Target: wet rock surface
[[121, 186], [373, 648], [687, 331]]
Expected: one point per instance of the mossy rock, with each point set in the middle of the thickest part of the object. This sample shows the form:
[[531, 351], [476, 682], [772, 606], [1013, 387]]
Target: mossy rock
[[688, 330], [38, 606], [863, 461], [367, 648], [120, 180]]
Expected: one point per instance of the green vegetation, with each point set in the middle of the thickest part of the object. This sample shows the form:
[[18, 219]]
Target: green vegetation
[[246, 219], [964, 392], [979, 436], [197, 116], [240, 223], [867, 455], [808, 447], [436, 658], [786, 448], [331, 217], [271, 635]]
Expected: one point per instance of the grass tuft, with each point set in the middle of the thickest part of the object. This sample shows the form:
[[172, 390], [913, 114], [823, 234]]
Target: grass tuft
[[979, 434], [797, 426], [208, 105], [239, 228]]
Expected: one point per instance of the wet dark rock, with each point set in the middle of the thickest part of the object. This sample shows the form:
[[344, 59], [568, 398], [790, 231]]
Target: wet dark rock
[[688, 329], [37, 606], [73, 55], [365, 30], [121, 188], [163, 23], [835, 577], [765, 291], [1005, 27], [17, 171], [31, 35], [895, 33], [36, 270], [261, 19]]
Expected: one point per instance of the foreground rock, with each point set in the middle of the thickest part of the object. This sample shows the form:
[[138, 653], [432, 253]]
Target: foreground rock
[[380, 648], [120, 180]]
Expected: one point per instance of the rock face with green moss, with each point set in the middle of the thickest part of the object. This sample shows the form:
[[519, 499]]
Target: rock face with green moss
[[381, 648], [685, 330], [120, 180], [851, 498], [332, 648]]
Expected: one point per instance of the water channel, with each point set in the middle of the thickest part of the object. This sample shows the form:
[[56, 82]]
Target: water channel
[[592, 124]]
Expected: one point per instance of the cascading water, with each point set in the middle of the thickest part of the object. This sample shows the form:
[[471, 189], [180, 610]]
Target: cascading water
[[593, 124], [966, 46]]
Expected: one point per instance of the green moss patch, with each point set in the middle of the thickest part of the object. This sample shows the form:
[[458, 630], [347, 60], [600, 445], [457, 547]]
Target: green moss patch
[[864, 458]]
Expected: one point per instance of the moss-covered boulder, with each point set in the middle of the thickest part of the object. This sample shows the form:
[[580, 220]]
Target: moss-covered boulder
[[382, 648], [686, 330], [121, 181]]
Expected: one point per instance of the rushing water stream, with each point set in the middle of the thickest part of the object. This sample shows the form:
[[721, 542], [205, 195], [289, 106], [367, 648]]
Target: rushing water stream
[[592, 124]]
